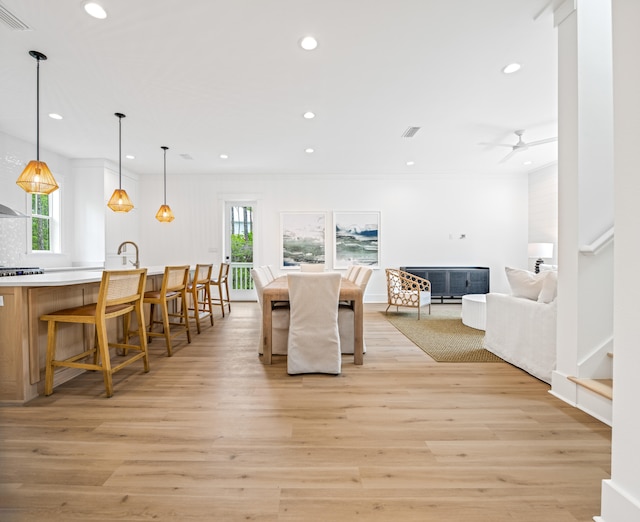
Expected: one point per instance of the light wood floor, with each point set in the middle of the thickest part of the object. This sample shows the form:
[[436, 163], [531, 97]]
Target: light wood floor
[[211, 434]]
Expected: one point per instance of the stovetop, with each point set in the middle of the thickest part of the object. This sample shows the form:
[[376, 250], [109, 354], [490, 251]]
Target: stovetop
[[6, 271]]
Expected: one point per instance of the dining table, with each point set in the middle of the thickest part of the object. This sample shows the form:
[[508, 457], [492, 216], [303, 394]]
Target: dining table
[[278, 291]]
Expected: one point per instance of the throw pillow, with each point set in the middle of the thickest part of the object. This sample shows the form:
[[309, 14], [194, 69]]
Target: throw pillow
[[524, 283], [549, 287]]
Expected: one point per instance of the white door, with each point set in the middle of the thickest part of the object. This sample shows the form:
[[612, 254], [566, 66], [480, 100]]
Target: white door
[[238, 249]]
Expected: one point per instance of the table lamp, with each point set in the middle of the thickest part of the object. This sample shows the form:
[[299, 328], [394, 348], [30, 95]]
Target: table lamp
[[540, 251]]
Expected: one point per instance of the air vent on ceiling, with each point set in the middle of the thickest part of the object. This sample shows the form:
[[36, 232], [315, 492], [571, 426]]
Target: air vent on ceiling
[[12, 20], [186, 156], [410, 132]]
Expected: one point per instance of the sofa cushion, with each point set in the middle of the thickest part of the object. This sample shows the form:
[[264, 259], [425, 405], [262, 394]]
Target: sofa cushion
[[524, 283], [549, 287]]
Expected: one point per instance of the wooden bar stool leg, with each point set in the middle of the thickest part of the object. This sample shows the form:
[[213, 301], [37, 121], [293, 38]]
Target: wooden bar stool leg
[[51, 355], [150, 327], [165, 325], [207, 301], [142, 335], [103, 346], [184, 312]]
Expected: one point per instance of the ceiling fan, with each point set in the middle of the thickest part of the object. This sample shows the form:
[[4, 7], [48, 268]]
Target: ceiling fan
[[520, 146]]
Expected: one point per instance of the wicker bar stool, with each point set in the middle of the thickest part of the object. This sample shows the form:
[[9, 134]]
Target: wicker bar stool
[[222, 281], [201, 307], [174, 288], [120, 294]]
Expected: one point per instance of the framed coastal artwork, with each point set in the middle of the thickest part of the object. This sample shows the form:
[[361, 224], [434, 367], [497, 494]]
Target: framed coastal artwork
[[357, 239], [303, 238]]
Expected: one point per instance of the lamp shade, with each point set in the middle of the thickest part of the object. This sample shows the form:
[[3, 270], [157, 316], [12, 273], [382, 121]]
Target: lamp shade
[[36, 178], [541, 250], [120, 201], [164, 214]]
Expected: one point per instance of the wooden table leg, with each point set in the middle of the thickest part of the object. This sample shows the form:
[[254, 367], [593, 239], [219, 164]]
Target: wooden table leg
[[266, 330], [358, 341]]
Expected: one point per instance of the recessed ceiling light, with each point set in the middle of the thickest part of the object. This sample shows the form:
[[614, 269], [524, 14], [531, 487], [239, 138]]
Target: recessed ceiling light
[[410, 163], [309, 150], [224, 156], [528, 162], [308, 43], [96, 10], [511, 68], [55, 116], [309, 115], [130, 156]]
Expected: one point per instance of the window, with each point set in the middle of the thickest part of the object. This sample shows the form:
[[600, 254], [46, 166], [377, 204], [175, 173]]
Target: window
[[40, 223]]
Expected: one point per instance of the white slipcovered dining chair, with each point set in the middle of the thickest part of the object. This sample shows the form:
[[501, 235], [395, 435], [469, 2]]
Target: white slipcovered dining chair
[[314, 341], [352, 274], [346, 313], [311, 267], [279, 314]]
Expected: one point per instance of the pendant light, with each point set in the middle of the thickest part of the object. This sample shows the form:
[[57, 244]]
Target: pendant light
[[164, 215], [36, 178], [120, 201]]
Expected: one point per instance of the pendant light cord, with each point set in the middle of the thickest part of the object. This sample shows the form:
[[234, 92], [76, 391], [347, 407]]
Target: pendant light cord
[[38, 110], [119, 153], [120, 116], [165, 173]]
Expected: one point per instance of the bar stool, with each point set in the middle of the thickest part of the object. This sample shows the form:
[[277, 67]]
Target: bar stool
[[201, 295], [120, 294], [174, 287], [222, 280]]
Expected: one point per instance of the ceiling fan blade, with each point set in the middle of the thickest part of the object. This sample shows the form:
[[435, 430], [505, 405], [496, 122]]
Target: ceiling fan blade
[[496, 144], [540, 142], [508, 156]]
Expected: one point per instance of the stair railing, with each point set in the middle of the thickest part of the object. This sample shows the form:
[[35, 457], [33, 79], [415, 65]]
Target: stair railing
[[596, 246]]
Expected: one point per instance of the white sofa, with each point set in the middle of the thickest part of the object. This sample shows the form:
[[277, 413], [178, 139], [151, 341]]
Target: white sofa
[[521, 329]]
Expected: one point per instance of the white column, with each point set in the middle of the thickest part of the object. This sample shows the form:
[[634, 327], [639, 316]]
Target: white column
[[585, 188], [621, 494]]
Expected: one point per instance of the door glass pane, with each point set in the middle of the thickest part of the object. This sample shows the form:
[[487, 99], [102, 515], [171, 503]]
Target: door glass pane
[[241, 223]]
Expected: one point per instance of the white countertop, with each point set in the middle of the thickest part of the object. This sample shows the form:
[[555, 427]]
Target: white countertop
[[71, 277]]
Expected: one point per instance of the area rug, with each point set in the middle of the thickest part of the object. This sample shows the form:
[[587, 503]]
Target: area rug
[[442, 335]]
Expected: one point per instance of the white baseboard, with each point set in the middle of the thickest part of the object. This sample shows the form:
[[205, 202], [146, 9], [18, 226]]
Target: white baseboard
[[617, 505]]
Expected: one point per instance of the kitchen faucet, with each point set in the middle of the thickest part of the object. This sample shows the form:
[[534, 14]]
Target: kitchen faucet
[[122, 247]]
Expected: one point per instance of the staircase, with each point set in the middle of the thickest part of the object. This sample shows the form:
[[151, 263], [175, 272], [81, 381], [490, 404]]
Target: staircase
[[595, 396]]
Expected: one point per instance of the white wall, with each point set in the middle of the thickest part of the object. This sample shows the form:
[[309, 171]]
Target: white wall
[[422, 216], [543, 209], [418, 216]]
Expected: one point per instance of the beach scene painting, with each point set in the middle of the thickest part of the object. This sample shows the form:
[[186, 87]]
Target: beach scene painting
[[357, 236], [303, 238]]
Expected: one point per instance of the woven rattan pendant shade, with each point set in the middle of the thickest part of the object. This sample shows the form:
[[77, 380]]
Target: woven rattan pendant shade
[[36, 178], [164, 214], [120, 201]]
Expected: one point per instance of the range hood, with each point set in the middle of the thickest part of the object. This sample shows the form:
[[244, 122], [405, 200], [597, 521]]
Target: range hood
[[6, 212]]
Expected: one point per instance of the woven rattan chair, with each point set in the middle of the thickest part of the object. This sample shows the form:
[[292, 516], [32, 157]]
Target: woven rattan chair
[[174, 288], [405, 289], [222, 282], [120, 294], [199, 289]]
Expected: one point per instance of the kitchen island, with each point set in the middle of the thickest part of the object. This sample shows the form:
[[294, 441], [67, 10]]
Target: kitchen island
[[23, 337]]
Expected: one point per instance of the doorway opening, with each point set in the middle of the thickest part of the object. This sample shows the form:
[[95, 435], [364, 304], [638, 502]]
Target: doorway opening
[[239, 225]]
